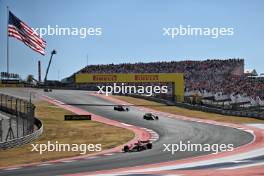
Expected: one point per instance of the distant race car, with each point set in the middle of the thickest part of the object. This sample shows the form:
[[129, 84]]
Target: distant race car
[[47, 90], [138, 146], [120, 108], [150, 116]]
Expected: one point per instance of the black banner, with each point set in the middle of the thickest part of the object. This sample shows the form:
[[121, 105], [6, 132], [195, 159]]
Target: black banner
[[77, 117]]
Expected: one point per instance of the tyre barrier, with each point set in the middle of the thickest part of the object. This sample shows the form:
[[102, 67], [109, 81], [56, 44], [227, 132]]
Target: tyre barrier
[[25, 139]]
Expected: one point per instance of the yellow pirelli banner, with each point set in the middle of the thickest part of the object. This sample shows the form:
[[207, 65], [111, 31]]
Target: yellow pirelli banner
[[176, 78]]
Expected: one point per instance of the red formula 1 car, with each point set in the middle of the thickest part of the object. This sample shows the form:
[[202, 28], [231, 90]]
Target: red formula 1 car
[[138, 146]]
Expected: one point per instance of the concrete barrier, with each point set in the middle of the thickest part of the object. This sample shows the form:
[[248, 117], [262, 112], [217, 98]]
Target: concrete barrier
[[19, 111], [25, 139]]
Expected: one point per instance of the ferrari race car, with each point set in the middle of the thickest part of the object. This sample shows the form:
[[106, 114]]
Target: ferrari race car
[[138, 146], [120, 108], [150, 116]]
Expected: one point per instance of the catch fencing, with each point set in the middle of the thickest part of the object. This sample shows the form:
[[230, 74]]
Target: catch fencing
[[16, 118]]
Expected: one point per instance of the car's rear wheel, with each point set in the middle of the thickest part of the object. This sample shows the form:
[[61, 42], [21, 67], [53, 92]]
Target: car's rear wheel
[[149, 146], [126, 149]]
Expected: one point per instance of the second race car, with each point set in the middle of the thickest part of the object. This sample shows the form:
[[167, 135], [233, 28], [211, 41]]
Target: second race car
[[120, 108], [150, 116]]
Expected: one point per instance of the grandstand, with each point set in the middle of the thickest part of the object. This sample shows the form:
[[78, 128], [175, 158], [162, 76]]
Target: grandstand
[[9, 78], [217, 82]]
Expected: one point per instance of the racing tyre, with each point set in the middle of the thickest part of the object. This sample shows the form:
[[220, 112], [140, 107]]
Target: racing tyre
[[126, 149], [149, 146]]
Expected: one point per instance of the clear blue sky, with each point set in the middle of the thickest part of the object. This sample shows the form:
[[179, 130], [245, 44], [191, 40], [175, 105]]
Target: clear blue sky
[[132, 32]]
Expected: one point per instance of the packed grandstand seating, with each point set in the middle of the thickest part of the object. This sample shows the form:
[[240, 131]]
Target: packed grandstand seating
[[214, 76]]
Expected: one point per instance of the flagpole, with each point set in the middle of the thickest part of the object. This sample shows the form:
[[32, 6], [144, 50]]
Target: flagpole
[[7, 47]]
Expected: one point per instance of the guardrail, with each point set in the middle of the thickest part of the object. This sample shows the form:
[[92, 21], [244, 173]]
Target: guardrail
[[18, 124], [257, 115]]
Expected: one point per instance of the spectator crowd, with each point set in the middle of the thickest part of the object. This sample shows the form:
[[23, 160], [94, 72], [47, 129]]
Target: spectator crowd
[[226, 76]]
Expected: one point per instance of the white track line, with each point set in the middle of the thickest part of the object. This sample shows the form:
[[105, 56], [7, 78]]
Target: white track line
[[232, 158], [68, 161], [241, 161], [44, 164], [12, 168], [108, 154], [243, 166], [126, 124]]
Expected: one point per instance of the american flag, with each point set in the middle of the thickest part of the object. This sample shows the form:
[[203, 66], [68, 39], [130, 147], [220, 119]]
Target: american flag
[[19, 30]]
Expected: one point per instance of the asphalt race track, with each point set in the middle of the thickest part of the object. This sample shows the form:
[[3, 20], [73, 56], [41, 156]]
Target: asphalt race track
[[169, 130]]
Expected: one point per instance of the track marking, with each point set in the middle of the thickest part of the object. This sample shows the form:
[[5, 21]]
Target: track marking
[[154, 136], [12, 168], [126, 124], [257, 125], [249, 131], [243, 166], [241, 161], [108, 154], [68, 161], [44, 164], [152, 132]]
